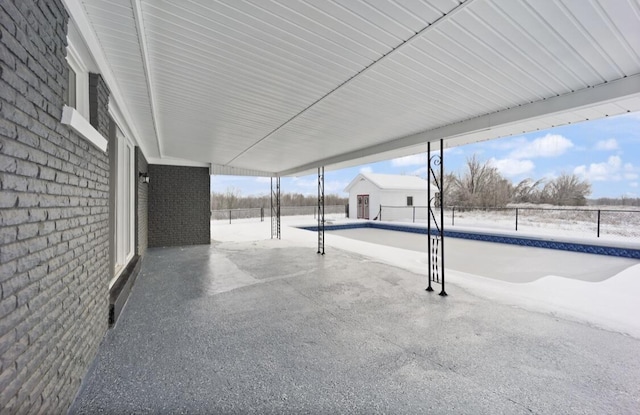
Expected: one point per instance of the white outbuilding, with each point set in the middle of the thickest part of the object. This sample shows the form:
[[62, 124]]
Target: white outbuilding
[[369, 191]]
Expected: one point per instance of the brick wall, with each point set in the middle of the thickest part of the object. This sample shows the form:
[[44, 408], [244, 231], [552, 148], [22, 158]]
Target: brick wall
[[179, 212], [99, 104], [142, 205], [53, 219]]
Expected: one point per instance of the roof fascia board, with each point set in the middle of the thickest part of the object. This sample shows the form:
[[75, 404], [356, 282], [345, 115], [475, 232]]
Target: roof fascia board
[[177, 162], [584, 98], [353, 182], [142, 39], [360, 177], [77, 13], [236, 171]]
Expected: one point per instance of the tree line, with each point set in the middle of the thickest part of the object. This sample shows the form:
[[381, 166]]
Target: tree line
[[232, 198], [481, 184], [619, 201]]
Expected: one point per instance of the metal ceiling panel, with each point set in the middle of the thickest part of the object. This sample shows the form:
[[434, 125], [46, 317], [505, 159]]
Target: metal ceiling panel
[[275, 87]]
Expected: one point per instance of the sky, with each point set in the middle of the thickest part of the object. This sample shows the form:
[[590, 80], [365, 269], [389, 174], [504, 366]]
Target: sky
[[606, 152]]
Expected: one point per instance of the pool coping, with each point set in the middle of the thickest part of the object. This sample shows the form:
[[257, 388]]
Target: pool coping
[[530, 241]]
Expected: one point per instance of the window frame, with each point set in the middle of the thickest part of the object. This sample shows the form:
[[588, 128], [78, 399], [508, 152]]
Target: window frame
[[124, 217], [76, 64], [409, 200], [77, 117]]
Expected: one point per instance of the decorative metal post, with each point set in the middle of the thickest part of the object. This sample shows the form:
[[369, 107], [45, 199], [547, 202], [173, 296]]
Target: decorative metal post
[[435, 240], [321, 210], [275, 208]]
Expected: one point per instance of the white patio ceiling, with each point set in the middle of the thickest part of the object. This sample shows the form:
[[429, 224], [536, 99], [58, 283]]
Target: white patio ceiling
[[280, 87]]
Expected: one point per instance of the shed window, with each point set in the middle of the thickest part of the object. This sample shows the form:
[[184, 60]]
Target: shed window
[[409, 200]]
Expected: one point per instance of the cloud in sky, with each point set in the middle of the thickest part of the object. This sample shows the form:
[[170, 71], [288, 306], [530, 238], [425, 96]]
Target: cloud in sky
[[421, 158], [413, 160], [606, 171], [308, 185], [631, 172], [422, 171], [607, 145], [507, 144], [366, 169], [551, 145], [512, 167]]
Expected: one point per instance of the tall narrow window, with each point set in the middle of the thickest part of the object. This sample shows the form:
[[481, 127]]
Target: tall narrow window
[[409, 200], [125, 204]]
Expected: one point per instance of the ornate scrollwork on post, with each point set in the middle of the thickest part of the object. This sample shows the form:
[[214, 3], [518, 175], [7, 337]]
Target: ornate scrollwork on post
[[435, 232], [321, 210], [275, 208]]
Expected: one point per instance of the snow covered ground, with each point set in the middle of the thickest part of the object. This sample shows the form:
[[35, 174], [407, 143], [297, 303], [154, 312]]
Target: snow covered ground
[[611, 304], [616, 224]]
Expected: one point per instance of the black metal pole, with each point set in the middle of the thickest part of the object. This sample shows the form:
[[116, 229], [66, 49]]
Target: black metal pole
[[598, 223], [443, 292], [278, 204], [275, 208], [321, 210], [414, 214], [429, 288], [516, 218], [453, 215], [229, 216]]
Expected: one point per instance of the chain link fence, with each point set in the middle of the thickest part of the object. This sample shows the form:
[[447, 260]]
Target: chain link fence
[[614, 223], [330, 212]]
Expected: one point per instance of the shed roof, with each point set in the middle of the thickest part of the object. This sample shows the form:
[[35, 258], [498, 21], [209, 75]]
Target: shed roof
[[390, 181]]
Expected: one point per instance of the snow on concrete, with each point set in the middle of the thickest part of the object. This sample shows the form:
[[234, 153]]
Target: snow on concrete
[[611, 304]]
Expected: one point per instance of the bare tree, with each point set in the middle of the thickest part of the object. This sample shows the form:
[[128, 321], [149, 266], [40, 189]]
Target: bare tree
[[480, 185], [231, 197], [448, 188], [567, 190], [528, 191]]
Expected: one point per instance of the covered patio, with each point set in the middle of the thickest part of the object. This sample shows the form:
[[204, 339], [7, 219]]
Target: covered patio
[[115, 114], [267, 326]]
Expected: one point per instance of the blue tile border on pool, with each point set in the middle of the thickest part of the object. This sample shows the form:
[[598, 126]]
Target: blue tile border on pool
[[513, 240]]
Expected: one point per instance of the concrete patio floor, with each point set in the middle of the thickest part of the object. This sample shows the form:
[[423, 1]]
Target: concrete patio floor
[[264, 327]]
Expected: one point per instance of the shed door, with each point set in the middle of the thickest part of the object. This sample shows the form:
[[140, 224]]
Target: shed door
[[363, 206]]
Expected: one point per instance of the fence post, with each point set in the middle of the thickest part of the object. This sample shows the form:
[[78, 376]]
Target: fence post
[[516, 219], [262, 214], [229, 216], [453, 216], [598, 223], [414, 214], [380, 213]]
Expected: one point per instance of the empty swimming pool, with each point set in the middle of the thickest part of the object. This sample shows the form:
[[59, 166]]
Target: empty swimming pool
[[500, 261]]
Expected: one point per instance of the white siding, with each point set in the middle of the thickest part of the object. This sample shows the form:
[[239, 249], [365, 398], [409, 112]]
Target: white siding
[[399, 197], [402, 212]]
